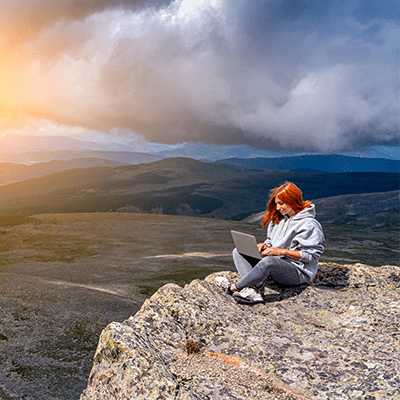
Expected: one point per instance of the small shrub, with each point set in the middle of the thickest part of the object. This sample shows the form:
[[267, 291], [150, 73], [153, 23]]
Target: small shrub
[[191, 346]]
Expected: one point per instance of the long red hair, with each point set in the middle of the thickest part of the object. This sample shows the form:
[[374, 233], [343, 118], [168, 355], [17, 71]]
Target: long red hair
[[289, 194]]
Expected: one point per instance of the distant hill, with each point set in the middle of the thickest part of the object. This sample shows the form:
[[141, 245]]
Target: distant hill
[[328, 163], [11, 173], [179, 186], [123, 157], [307, 163], [368, 209]]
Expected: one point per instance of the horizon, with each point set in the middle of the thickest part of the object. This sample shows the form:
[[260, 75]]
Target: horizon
[[100, 142]]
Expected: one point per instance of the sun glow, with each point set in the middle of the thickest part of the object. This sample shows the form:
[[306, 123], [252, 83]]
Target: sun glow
[[8, 72], [14, 91]]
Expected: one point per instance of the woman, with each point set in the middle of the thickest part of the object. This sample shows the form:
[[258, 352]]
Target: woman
[[290, 253]]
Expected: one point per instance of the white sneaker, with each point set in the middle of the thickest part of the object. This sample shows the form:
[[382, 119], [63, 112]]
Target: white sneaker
[[248, 295], [224, 283]]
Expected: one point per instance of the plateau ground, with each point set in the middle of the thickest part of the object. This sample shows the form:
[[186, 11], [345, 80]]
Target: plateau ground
[[64, 277]]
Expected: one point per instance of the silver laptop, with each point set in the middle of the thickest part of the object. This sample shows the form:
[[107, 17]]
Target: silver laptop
[[246, 244]]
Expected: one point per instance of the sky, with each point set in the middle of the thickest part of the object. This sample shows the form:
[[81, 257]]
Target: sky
[[316, 76]]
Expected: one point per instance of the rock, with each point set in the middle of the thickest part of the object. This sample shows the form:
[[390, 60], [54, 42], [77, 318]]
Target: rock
[[334, 339]]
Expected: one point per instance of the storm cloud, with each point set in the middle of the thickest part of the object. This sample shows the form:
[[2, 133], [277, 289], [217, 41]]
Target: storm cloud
[[277, 74]]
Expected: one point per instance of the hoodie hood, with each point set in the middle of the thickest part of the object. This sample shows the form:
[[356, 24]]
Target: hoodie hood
[[308, 212]]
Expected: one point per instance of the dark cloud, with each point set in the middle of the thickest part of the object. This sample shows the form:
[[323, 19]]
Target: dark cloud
[[278, 74]]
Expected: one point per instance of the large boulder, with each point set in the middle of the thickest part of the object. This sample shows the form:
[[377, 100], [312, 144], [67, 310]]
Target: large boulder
[[334, 339]]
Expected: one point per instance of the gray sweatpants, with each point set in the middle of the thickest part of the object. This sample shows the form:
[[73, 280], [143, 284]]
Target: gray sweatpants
[[254, 272]]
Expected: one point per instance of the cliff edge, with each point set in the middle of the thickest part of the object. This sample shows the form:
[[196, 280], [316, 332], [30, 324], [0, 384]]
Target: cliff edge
[[335, 339]]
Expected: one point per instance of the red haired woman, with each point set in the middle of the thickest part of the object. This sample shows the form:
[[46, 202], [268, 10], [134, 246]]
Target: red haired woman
[[290, 253]]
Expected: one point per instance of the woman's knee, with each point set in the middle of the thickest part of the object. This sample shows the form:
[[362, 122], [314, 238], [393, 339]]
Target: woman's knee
[[286, 274], [237, 256], [267, 264]]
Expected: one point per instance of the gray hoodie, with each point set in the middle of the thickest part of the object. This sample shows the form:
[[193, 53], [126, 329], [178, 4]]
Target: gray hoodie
[[303, 233]]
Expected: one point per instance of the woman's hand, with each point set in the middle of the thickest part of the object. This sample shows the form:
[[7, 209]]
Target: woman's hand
[[273, 251], [261, 248], [265, 250]]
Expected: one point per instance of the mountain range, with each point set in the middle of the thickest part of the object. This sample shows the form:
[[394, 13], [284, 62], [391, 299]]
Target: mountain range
[[14, 144], [29, 149], [179, 186], [318, 162], [33, 164]]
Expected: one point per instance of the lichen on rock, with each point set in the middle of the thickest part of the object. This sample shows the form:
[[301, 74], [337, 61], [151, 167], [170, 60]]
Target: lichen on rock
[[334, 339]]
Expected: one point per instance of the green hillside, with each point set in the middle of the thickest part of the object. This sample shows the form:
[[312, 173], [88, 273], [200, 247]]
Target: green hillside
[[179, 186]]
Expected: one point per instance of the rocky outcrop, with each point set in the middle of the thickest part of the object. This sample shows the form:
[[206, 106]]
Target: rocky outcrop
[[334, 339]]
